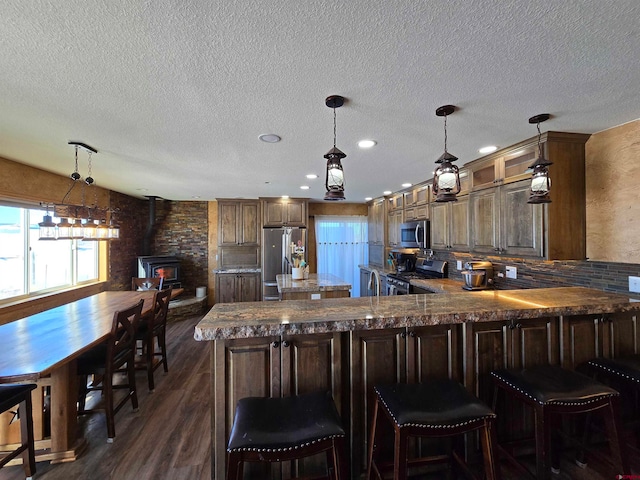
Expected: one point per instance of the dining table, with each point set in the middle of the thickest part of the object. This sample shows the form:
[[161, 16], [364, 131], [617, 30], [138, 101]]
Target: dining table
[[43, 348]]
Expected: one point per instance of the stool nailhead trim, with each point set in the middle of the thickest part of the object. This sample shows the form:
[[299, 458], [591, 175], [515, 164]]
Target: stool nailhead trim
[[615, 372], [285, 449], [456, 425], [557, 402]]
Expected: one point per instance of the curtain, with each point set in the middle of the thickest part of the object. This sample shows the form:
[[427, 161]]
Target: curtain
[[341, 245]]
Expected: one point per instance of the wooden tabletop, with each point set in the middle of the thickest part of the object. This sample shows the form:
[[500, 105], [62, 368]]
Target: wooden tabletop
[[33, 346]]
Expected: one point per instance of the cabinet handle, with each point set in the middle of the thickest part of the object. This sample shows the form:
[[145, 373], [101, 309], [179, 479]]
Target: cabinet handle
[[412, 334], [275, 344], [403, 335], [518, 325], [285, 343]]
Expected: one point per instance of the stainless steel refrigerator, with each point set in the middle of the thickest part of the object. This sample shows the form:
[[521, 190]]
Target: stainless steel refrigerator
[[276, 256]]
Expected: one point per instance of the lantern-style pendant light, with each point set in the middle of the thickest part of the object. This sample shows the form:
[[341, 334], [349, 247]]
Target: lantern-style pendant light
[[446, 179], [540, 181], [334, 182], [47, 229]]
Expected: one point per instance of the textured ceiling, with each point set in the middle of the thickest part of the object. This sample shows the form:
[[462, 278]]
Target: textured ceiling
[[174, 94]]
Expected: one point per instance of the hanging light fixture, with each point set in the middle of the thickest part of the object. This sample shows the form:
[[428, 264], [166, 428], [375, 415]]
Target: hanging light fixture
[[446, 178], [334, 182], [540, 181], [71, 226]]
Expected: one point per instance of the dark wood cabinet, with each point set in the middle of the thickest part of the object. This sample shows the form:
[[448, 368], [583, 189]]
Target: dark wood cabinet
[[433, 352], [238, 222], [237, 287], [278, 212], [450, 225]]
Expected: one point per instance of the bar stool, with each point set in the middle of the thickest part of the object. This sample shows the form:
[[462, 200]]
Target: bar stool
[[10, 396], [282, 429], [435, 408], [553, 391]]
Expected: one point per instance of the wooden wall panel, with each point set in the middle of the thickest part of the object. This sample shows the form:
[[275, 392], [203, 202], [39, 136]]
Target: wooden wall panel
[[613, 197]]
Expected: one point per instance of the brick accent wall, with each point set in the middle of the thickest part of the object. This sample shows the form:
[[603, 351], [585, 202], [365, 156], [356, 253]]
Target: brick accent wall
[[181, 229], [607, 276]]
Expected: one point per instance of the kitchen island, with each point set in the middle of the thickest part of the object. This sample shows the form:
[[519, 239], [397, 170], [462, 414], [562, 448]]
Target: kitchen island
[[317, 286], [347, 345]]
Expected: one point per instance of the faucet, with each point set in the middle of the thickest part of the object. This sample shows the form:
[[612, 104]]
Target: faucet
[[374, 273]]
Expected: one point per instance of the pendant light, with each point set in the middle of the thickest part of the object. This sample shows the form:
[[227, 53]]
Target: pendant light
[[334, 182], [446, 178], [540, 181], [47, 229]]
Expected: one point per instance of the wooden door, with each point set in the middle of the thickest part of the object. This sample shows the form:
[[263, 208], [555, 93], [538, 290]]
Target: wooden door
[[312, 363], [228, 217], [296, 214], [521, 232], [459, 225], [377, 357], [379, 213], [248, 287], [485, 221], [620, 335], [440, 226], [249, 233], [274, 213], [580, 339], [433, 352], [534, 342], [225, 287]]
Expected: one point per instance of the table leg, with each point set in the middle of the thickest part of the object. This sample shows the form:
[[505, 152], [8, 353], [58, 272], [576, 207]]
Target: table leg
[[64, 414]]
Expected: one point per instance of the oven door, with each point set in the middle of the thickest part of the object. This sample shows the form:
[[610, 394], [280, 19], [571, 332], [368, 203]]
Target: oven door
[[397, 287]]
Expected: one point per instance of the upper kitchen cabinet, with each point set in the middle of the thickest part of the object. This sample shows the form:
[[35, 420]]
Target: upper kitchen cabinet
[[450, 225], [393, 224], [509, 166], [416, 202], [376, 221], [287, 212], [238, 222]]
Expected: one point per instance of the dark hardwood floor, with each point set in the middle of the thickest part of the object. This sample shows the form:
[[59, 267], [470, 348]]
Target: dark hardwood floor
[[169, 437]]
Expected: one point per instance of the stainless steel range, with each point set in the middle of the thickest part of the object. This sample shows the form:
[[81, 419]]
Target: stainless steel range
[[399, 283]]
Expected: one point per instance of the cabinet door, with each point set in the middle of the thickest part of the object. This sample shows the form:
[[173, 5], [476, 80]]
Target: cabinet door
[[249, 233], [228, 223], [459, 225], [521, 222], [439, 226], [620, 335], [395, 220], [421, 195], [364, 282], [296, 214], [534, 342], [580, 339], [225, 287], [379, 213], [432, 352], [485, 221], [274, 213], [247, 367], [378, 357], [248, 287]]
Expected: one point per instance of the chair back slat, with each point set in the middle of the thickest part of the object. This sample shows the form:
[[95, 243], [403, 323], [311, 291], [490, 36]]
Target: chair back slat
[[123, 331], [161, 309]]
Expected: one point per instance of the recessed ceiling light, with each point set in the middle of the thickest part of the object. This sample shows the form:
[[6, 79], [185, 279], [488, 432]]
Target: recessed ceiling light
[[312, 176], [366, 199], [366, 143], [142, 189], [406, 185], [387, 192], [488, 149], [284, 197], [304, 187], [196, 196], [269, 137]]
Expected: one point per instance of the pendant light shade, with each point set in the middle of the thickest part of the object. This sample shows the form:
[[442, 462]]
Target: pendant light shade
[[540, 181], [446, 178], [47, 230], [334, 182]]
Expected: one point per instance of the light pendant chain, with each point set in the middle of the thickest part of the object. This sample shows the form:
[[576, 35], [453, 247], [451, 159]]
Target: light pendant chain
[[539, 140], [445, 134], [334, 127]]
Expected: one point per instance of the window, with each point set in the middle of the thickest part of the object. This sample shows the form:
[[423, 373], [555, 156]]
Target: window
[[29, 266]]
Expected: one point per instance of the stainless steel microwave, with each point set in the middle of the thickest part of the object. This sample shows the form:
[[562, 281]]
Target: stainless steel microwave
[[415, 234]]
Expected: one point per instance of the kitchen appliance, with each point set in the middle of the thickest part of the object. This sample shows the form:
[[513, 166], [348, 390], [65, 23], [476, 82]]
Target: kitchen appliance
[[478, 275], [277, 249], [404, 259], [415, 234], [399, 283]]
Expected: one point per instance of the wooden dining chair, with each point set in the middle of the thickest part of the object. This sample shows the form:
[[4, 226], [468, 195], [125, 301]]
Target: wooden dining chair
[[20, 395], [153, 326], [107, 358], [146, 283]]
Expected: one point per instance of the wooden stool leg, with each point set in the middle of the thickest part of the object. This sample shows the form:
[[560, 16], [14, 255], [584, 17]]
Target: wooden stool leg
[[400, 466], [489, 443], [543, 440], [339, 459], [234, 466], [26, 432], [372, 438], [611, 414]]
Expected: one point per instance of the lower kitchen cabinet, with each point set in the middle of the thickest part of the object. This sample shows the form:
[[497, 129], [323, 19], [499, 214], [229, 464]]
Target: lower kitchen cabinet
[[272, 367], [237, 287]]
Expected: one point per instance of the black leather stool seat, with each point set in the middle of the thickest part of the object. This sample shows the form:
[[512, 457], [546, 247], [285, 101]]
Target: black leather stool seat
[[554, 392], [433, 408], [626, 367], [10, 396], [288, 428], [548, 384], [437, 403]]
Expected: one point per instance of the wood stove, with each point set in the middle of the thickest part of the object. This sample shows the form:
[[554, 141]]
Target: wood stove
[[165, 266]]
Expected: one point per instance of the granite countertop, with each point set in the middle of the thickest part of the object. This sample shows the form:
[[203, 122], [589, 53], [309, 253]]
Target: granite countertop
[[317, 282], [237, 270], [439, 285], [258, 319]]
